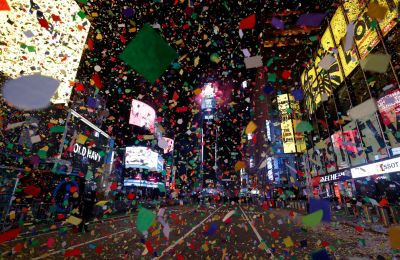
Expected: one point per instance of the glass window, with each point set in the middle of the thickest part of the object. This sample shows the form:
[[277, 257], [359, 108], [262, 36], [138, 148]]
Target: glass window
[[358, 87], [342, 100], [392, 41]]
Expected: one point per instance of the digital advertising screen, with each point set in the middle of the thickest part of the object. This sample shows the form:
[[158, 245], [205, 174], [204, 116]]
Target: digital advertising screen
[[166, 143], [142, 158], [389, 108], [43, 37], [142, 115]]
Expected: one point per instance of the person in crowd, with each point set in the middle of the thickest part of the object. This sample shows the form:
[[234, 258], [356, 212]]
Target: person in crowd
[[88, 201]]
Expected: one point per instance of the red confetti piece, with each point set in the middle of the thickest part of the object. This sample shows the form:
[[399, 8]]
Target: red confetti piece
[[9, 235], [359, 229], [286, 74], [122, 38], [32, 190], [325, 244], [73, 189], [99, 249], [149, 247], [4, 6], [56, 18], [90, 44], [275, 234], [44, 23], [131, 196], [248, 22], [72, 252], [114, 186], [18, 247], [79, 87], [97, 81]]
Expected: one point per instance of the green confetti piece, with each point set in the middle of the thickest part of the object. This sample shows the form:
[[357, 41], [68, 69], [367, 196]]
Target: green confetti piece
[[313, 219], [145, 219], [271, 77], [82, 14], [42, 154], [215, 58], [149, 54], [57, 129], [31, 49]]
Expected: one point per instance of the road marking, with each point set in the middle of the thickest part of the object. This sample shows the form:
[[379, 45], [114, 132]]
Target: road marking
[[69, 227], [255, 231], [187, 234], [81, 244]]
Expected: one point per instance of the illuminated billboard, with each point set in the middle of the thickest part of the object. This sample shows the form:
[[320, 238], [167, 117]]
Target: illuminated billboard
[[365, 37], [142, 115], [166, 143], [142, 158], [45, 38], [289, 109]]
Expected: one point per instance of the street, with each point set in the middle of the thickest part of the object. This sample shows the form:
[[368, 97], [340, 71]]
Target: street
[[251, 232]]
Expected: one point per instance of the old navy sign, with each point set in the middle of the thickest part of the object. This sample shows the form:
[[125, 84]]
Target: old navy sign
[[86, 152], [334, 176], [387, 166]]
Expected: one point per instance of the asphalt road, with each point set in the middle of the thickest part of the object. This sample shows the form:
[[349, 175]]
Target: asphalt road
[[200, 233]]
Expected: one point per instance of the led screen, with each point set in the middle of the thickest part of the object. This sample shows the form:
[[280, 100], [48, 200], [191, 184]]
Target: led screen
[[142, 115], [141, 157], [46, 37], [143, 183], [389, 108], [167, 144]]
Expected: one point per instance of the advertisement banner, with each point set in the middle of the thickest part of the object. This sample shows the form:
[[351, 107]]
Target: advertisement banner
[[365, 36], [142, 115], [389, 108], [387, 166], [335, 176], [290, 109], [43, 37], [141, 158]]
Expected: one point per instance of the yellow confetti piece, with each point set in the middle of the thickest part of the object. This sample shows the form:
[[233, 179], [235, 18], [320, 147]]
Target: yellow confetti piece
[[251, 127], [196, 63], [81, 139], [205, 247], [155, 232], [73, 220], [288, 242], [182, 58], [101, 203]]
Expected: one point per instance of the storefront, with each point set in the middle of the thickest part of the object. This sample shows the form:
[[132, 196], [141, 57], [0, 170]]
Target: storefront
[[378, 179], [336, 185]]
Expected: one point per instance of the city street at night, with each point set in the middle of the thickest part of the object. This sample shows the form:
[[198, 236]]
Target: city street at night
[[202, 233], [200, 129]]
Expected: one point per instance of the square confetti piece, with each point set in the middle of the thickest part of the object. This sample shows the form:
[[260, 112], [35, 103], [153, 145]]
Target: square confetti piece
[[149, 54], [288, 242]]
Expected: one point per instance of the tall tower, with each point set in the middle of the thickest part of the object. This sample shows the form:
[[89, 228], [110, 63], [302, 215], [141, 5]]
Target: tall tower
[[209, 136]]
